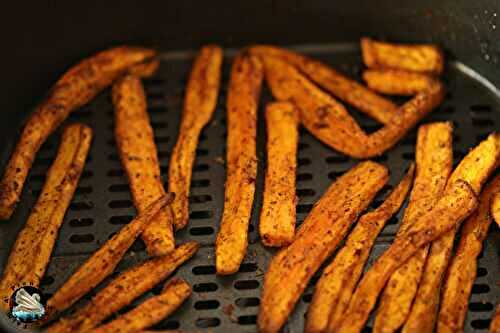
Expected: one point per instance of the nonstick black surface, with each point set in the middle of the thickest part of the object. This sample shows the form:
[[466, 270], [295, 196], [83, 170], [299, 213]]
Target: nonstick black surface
[[102, 204]]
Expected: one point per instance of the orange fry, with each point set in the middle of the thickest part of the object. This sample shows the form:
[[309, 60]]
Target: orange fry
[[330, 122], [242, 101], [397, 82], [461, 272], [277, 217], [495, 208], [495, 321], [326, 225], [74, 89], [334, 289], [199, 105], [426, 58], [342, 87]]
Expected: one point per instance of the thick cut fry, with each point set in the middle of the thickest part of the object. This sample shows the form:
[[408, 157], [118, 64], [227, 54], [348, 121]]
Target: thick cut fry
[[475, 169], [495, 321], [124, 289], [461, 272], [152, 311], [434, 157], [146, 69], [342, 87], [325, 226], [75, 88], [31, 252], [135, 141], [458, 202], [426, 58], [243, 97], [199, 105], [330, 122], [334, 289], [277, 218], [397, 82], [103, 262], [495, 208]]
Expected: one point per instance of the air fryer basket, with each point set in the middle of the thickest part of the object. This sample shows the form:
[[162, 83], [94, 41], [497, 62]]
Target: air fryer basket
[[102, 204]]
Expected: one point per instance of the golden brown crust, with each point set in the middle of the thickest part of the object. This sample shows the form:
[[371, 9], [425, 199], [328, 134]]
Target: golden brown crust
[[330, 122], [123, 290], [241, 166], [475, 168], [103, 262], [278, 216], [75, 88], [397, 82], [434, 157], [199, 105], [495, 321], [461, 272], [495, 208], [31, 252], [458, 202], [342, 87], [135, 142], [151, 311], [146, 69], [325, 226], [334, 289], [425, 58]]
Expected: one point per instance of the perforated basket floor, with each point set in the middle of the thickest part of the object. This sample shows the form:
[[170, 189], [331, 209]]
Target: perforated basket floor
[[102, 204]]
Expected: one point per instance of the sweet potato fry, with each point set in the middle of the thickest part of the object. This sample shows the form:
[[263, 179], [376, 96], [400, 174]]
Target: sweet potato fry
[[103, 262], [75, 88], [199, 105], [495, 208], [135, 142], [152, 311], [342, 87], [425, 58], [31, 252], [397, 82], [124, 289], [334, 289], [434, 157], [330, 122], [243, 97], [326, 225], [458, 202], [145, 69], [475, 169], [277, 217], [461, 272], [495, 321]]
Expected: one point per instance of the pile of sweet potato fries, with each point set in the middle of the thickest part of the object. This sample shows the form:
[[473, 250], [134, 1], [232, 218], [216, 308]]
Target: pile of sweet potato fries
[[421, 283]]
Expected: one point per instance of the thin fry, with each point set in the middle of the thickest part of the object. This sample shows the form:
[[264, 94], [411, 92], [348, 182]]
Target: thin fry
[[426, 58], [330, 122], [461, 272], [458, 202], [334, 289], [397, 82], [475, 169], [103, 262], [342, 87], [145, 70], [31, 252], [495, 208], [152, 311], [495, 321], [74, 89], [326, 225], [135, 141], [123, 290], [243, 97], [199, 105], [277, 217], [434, 157]]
